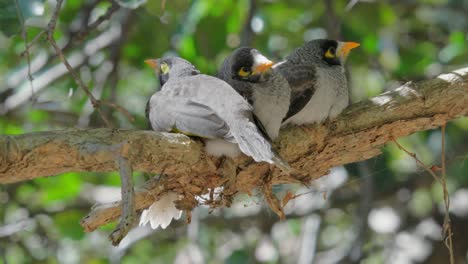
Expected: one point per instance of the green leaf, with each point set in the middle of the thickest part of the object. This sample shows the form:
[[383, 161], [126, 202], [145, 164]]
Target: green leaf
[[132, 4]]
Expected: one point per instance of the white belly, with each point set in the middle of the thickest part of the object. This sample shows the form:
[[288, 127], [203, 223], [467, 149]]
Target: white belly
[[270, 109], [330, 98]]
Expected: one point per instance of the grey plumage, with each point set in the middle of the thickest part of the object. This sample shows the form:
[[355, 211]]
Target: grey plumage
[[207, 107], [266, 89], [316, 75]]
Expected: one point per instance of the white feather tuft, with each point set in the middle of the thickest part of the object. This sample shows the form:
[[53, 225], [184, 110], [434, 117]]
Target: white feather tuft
[[161, 212]]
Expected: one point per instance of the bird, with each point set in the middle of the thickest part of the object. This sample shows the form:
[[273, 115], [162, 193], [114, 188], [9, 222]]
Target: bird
[[203, 106], [249, 72], [316, 76]]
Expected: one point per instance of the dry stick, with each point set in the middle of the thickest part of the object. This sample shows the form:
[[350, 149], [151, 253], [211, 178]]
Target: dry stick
[[419, 162], [447, 229], [128, 218], [447, 223], [120, 109], [32, 42], [24, 35]]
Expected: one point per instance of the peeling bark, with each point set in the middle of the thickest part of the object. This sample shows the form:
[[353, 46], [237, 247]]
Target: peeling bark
[[357, 134]]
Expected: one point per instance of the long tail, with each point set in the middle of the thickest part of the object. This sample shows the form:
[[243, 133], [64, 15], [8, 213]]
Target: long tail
[[254, 144]]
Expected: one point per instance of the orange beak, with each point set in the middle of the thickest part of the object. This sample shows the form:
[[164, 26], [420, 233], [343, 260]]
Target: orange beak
[[152, 63], [346, 48], [261, 68]]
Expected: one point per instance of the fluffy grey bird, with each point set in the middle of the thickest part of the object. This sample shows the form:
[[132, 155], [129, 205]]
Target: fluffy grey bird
[[250, 74], [316, 75]]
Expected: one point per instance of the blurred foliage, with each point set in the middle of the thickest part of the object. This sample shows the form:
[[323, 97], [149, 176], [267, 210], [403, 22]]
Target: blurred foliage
[[401, 41]]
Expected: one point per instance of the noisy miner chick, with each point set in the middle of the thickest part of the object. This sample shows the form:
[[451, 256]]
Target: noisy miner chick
[[316, 75], [250, 74], [203, 106]]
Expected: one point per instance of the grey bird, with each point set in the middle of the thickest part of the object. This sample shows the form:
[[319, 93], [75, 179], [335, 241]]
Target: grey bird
[[250, 74], [316, 75], [207, 107]]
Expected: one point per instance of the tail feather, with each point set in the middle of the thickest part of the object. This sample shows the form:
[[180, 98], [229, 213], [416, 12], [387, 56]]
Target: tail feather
[[254, 144]]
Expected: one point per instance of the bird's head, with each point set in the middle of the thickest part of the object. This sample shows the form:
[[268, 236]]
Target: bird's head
[[170, 67], [248, 64], [330, 52]]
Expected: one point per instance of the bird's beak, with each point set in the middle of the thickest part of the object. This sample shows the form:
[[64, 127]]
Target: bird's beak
[[261, 64], [152, 63], [345, 47]]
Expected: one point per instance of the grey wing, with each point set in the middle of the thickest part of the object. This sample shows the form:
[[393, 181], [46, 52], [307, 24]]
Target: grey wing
[[187, 116], [302, 80]]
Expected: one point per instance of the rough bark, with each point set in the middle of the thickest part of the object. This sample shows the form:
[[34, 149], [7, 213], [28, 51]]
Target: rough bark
[[357, 134]]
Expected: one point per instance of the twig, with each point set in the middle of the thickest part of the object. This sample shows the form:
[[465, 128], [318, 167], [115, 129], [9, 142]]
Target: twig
[[50, 37], [24, 35], [271, 199], [106, 16], [119, 108], [419, 162], [128, 218], [447, 223], [447, 228], [32, 42]]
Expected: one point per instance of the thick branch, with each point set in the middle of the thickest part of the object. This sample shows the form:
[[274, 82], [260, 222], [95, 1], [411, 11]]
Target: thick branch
[[356, 135]]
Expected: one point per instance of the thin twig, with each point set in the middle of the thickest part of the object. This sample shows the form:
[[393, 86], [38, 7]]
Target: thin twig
[[119, 108], [447, 223], [419, 162], [447, 228], [50, 37], [82, 33], [32, 42], [24, 35]]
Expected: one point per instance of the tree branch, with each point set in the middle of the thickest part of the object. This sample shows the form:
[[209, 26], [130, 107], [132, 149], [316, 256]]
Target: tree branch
[[357, 134]]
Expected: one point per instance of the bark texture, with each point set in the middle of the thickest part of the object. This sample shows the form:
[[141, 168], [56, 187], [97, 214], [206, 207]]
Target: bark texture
[[357, 134]]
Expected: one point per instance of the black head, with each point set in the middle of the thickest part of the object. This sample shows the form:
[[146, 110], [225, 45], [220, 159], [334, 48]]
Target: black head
[[248, 64], [330, 52], [171, 67]]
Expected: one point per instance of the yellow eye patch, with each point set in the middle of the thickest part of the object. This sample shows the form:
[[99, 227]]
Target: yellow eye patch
[[243, 73], [164, 68], [330, 53]]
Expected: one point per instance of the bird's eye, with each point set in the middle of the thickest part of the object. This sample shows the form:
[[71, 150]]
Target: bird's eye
[[243, 72], [330, 53], [164, 68]]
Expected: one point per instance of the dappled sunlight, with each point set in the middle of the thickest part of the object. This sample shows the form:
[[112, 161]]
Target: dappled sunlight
[[454, 75]]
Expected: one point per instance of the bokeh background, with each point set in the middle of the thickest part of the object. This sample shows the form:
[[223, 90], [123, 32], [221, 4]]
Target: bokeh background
[[385, 210]]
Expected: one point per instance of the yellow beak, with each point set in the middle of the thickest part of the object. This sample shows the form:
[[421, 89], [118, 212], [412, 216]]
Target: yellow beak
[[152, 63], [346, 47], [261, 68]]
